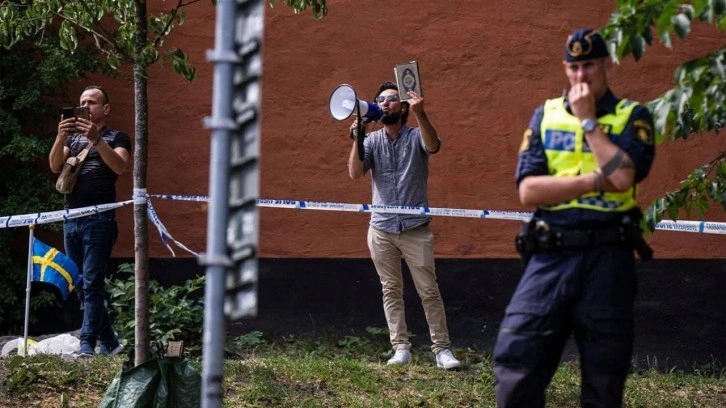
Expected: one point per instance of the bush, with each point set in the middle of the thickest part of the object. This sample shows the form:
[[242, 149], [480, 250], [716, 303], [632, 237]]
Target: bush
[[175, 313]]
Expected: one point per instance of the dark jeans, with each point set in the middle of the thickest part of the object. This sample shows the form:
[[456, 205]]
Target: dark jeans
[[587, 292], [88, 241]]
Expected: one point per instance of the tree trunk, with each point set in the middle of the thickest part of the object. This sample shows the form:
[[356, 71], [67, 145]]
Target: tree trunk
[[141, 233]]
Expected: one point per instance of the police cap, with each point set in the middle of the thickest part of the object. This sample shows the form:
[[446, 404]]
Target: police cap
[[585, 44]]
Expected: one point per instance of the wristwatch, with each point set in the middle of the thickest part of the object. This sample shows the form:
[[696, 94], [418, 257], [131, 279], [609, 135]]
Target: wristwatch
[[588, 125]]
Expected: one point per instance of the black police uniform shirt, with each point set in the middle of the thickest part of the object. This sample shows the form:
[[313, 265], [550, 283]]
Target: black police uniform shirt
[[533, 161]]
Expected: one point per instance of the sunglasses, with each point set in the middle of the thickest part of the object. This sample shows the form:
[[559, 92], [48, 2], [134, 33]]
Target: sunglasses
[[389, 98]]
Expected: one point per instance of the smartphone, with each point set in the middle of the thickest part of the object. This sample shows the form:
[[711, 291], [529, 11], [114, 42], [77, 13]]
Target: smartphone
[[69, 113], [82, 112]]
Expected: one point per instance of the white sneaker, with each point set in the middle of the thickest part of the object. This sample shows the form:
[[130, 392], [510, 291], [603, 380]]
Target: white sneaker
[[446, 360], [118, 349], [402, 356]]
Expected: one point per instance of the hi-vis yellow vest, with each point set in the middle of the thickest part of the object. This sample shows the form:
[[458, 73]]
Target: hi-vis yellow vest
[[568, 155]]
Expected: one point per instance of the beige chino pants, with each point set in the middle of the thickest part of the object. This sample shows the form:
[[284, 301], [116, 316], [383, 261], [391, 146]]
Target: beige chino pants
[[416, 247]]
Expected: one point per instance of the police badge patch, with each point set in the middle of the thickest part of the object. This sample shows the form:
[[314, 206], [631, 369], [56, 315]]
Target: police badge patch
[[525, 140], [644, 131]]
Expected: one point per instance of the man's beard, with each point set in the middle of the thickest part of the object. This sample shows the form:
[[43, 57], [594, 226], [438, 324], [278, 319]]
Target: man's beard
[[391, 118]]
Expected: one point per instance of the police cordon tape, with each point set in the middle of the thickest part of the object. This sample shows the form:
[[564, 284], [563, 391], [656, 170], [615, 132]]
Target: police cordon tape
[[701, 227], [14, 221]]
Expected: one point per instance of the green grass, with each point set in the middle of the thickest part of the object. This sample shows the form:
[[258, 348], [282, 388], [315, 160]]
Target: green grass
[[347, 372]]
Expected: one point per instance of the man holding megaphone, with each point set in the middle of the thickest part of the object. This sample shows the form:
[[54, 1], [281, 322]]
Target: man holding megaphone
[[397, 157]]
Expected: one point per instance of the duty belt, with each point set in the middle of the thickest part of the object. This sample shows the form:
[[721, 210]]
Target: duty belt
[[538, 236], [547, 238]]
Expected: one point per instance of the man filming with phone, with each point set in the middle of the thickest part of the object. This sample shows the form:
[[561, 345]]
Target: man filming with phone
[[89, 240]]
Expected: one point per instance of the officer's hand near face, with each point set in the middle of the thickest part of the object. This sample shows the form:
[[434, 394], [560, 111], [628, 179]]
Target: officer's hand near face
[[582, 101]]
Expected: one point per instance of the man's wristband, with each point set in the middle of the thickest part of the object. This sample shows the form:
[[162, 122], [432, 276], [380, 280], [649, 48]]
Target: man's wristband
[[96, 142]]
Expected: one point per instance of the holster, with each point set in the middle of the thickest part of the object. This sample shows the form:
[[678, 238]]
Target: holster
[[525, 241], [635, 236]]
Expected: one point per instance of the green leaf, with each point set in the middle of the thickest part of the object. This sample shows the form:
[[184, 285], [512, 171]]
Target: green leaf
[[719, 7], [319, 7], [112, 60], [68, 36], [682, 25], [665, 39], [662, 114], [648, 35], [688, 10], [638, 46]]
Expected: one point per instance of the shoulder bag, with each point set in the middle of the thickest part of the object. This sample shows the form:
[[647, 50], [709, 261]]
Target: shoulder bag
[[71, 169]]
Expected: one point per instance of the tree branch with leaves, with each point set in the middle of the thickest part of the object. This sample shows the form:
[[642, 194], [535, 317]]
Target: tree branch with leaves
[[697, 103]]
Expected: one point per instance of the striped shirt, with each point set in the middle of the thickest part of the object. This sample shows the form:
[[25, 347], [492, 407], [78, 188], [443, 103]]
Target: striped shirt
[[399, 176]]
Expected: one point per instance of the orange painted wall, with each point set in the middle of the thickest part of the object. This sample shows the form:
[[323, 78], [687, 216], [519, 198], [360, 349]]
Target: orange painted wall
[[485, 67]]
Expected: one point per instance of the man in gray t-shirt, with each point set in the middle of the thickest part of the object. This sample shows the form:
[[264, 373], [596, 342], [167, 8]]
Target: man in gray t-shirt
[[397, 157]]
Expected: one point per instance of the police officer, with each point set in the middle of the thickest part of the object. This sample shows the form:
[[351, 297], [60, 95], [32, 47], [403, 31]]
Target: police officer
[[580, 162]]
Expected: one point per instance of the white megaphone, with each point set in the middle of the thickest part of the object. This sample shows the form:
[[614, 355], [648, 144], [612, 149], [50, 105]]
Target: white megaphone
[[344, 102]]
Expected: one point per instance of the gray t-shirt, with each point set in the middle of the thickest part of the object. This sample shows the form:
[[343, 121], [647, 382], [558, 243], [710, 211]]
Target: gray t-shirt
[[399, 176]]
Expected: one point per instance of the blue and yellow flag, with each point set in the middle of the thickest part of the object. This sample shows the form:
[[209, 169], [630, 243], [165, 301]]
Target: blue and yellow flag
[[54, 267]]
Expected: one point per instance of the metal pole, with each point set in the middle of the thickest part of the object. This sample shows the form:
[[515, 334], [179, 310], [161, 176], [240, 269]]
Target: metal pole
[[29, 278], [232, 227], [216, 259]]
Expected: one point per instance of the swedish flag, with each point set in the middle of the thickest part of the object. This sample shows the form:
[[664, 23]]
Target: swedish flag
[[54, 267]]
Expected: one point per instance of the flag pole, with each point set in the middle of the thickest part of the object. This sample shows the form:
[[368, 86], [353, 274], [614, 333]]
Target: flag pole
[[27, 289]]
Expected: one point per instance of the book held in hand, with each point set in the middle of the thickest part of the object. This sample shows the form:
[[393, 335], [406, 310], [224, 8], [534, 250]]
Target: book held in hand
[[408, 79]]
